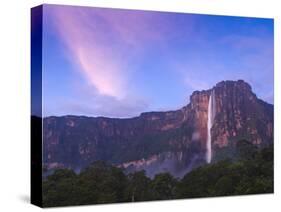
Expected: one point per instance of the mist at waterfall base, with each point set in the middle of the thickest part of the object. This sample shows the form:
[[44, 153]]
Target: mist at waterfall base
[[211, 116]]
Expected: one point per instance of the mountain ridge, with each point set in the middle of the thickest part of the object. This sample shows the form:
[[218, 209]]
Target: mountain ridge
[[173, 141]]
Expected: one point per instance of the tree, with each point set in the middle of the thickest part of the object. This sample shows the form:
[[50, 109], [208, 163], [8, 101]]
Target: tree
[[139, 187], [102, 183], [60, 188], [245, 149], [163, 186]]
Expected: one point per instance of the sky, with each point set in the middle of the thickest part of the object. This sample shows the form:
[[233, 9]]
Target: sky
[[120, 63]]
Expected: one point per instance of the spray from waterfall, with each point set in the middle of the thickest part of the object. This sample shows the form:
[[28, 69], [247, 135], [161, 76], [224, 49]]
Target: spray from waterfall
[[211, 116]]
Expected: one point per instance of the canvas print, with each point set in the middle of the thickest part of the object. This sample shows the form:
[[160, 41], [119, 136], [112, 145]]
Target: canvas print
[[132, 105]]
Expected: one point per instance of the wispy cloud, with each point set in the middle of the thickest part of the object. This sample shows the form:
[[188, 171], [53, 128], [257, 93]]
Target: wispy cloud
[[98, 63], [102, 42], [106, 46], [128, 58]]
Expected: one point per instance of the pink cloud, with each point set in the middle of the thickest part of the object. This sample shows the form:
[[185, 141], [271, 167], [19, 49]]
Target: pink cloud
[[97, 62], [101, 42]]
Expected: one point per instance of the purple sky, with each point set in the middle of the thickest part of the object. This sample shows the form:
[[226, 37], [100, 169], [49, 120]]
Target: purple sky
[[119, 63]]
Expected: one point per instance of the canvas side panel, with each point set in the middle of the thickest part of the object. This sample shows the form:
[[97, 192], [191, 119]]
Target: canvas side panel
[[36, 105]]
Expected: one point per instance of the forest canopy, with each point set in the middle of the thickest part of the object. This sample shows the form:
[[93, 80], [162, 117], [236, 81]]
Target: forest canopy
[[251, 173]]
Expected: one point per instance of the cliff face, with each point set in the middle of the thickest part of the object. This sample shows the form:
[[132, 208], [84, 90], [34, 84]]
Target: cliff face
[[240, 114], [173, 141]]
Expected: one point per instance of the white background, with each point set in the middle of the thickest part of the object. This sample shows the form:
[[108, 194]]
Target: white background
[[15, 106]]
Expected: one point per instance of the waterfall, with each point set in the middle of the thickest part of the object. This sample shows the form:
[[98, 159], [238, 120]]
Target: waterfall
[[211, 116]]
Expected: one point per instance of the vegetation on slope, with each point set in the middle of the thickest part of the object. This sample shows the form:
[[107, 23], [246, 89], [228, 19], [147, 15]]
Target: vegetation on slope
[[251, 172]]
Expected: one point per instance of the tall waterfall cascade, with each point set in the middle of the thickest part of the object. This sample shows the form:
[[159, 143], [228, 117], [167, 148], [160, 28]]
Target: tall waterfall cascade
[[211, 117]]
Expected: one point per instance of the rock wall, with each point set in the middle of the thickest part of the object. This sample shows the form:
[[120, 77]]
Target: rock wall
[[154, 140]]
